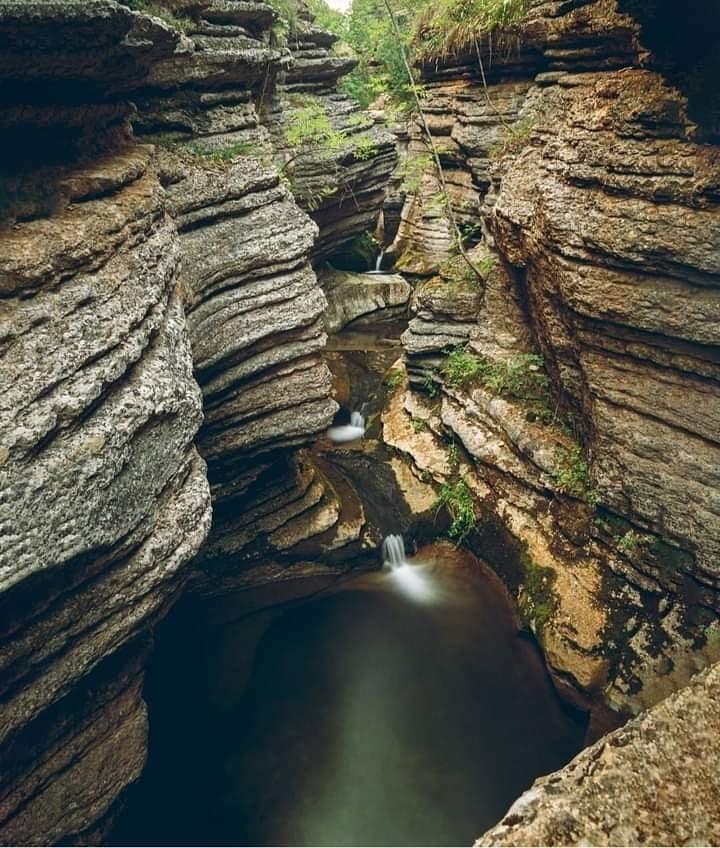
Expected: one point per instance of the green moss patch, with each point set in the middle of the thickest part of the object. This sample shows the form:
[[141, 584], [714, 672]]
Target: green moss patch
[[538, 599]]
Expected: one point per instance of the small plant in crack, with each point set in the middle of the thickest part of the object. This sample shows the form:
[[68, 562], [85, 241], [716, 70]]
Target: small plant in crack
[[457, 498]]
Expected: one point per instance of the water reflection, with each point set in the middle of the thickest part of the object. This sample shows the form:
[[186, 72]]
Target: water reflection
[[401, 709]]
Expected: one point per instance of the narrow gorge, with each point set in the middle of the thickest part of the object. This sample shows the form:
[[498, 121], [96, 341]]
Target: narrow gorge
[[360, 464]]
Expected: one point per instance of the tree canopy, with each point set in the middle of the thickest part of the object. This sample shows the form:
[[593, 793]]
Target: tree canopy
[[429, 29]]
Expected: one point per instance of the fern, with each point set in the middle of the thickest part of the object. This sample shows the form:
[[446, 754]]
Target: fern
[[457, 498]]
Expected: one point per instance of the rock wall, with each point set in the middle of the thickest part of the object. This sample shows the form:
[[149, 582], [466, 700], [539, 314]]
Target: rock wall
[[597, 197], [104, 498], [220, 112], [652, 783], [254, 306], [143, 181], [341, 184]]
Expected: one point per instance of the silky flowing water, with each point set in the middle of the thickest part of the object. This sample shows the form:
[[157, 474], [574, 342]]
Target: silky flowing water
[[397, 708], [400, 707]]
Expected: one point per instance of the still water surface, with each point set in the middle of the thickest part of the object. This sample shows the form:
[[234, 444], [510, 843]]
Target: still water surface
[[395, 710]]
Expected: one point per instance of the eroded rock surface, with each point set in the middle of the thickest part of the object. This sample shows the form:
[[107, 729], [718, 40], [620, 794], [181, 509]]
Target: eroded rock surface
[[655, 782], [351, 296], [596, 196], [104, 497], [341, 184], [221, 113]]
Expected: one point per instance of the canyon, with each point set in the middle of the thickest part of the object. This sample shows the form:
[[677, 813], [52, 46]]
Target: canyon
[[182, 199]]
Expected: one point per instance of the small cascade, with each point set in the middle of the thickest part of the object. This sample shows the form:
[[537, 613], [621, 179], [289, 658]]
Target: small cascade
[[411, 580], [379, 262], [393, 551], [340, 433]]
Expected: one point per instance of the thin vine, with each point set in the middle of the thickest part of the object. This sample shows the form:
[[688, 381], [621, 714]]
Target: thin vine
[[431, 143]]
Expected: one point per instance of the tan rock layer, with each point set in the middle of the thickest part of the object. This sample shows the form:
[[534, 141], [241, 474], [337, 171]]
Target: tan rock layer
[[600, 207]]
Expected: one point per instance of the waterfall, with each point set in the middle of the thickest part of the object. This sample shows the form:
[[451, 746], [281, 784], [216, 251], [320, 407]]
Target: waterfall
[[412, 580], [393, 551], [348, 432], [378, 261]]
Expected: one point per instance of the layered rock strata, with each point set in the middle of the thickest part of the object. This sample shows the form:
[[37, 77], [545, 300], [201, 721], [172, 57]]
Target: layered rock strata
[[217, 109], [104, 498], [599, 206], [357, 298], [338, 175]]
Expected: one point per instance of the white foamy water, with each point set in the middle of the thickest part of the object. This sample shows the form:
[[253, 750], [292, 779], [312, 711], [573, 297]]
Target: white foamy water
[[348, 432], [393, 551], [415, 582], [378, 264]]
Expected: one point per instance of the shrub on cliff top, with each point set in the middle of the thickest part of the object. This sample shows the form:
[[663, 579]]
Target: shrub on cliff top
[[446, 27]]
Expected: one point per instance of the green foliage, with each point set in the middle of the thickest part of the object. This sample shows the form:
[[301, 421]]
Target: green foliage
[[411, 170], [418, 424], [432, 27], [395, 377], [380, 67], [310, 125], [329, 18], [360, 119], [520, 377], [430, 387], [288, 12], [184, 24], [457, 498], [516, 137], [446, 27], [364, 148], [572, 474], [310, 128], [458, 273], [486, 265], [462, 368], [711, 632], [453, 455], [629, 542], [538, 599], [312, 200]]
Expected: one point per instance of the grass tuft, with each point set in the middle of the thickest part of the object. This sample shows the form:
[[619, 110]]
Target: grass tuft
[[457, 498]]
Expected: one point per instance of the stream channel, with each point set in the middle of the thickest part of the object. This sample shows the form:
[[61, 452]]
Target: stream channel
[[396, 707]]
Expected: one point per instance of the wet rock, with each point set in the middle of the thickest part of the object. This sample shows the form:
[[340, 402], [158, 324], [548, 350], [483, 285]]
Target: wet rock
[[351, 296], [599, 206]]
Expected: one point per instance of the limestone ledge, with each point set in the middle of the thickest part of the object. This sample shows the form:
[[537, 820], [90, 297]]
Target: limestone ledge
[[654, 782]]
